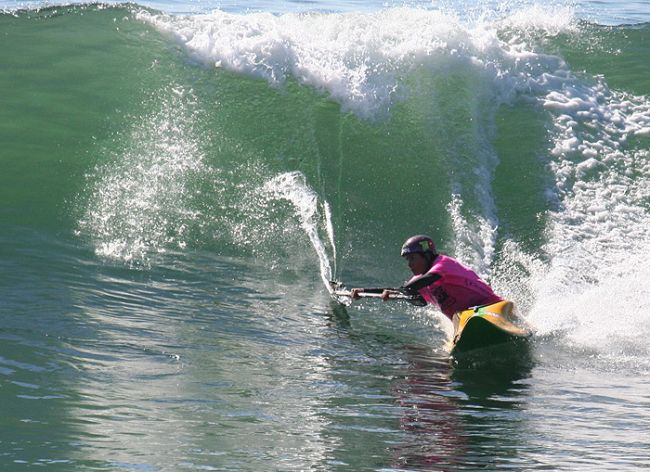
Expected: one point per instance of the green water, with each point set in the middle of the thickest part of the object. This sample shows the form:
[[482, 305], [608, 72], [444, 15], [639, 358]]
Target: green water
[[161, 303]]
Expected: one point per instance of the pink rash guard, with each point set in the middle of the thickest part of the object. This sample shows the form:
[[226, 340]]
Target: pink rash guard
[[458, 288]]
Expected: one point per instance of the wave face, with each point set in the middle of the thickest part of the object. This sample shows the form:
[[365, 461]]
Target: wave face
[[318, 142]]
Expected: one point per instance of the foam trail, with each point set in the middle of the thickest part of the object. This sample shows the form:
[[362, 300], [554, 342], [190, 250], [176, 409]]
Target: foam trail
[[329, 226], [475, 238], [292, 187]]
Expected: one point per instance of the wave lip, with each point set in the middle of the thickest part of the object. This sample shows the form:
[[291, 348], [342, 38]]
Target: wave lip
[[360, 59]]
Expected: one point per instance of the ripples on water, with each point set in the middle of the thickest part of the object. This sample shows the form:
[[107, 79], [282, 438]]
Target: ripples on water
[[179, 368], [165, 370]]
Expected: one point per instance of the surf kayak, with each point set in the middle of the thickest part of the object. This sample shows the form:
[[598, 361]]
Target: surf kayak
[[484, 326]]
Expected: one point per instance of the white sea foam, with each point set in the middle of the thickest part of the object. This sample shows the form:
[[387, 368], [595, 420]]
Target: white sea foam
[[359, 59], [596, 286]]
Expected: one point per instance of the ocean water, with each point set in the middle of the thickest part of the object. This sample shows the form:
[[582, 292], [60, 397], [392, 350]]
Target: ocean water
[[179, 180]]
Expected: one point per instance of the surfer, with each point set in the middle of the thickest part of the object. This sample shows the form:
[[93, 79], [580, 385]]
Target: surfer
[[450, 285]]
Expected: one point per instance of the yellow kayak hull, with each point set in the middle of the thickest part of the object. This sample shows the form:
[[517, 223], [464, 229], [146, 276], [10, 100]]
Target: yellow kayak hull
[[485, 326]]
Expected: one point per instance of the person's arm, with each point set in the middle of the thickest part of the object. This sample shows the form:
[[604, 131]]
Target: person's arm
[[387, 294], [354, 293], [414, 298], [413, 286]]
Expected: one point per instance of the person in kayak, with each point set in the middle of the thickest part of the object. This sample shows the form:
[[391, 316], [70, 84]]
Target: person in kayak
[[450, 285]]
